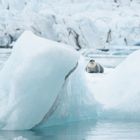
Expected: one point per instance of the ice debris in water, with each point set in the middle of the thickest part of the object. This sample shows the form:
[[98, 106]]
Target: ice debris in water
[[20, 138]]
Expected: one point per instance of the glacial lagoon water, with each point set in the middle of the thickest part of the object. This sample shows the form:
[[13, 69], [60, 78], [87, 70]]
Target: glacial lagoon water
[[82, 130]]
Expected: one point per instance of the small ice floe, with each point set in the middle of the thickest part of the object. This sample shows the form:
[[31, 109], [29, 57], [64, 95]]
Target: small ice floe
[[20, 138]]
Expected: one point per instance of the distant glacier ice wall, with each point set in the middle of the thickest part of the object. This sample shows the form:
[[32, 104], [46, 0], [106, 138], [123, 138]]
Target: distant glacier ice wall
[[82, 24]]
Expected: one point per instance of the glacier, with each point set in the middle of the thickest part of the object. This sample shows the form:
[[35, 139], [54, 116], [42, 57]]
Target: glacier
[[82, 24]]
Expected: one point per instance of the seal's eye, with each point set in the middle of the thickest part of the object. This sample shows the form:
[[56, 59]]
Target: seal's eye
[[92, 61]]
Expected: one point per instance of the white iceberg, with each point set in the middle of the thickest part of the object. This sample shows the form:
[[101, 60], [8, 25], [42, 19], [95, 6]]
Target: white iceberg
[[42, 85], [32, 79], [119, 91], [77, 102]]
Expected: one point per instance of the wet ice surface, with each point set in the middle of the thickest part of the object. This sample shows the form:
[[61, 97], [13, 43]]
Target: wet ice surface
[[83, 130]]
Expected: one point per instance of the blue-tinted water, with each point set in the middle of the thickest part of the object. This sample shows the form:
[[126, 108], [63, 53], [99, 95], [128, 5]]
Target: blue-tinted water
[[85, 130]]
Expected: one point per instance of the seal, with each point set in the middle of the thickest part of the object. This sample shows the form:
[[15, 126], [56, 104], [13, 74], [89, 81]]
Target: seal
[[93, 67]]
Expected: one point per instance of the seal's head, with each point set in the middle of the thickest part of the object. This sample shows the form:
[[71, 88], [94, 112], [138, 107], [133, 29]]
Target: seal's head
[[92, 61]]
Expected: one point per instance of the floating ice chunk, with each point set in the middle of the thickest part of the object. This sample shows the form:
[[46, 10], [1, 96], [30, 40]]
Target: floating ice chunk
[[20, 138], [31, 80], [119, 91], [77, 102]]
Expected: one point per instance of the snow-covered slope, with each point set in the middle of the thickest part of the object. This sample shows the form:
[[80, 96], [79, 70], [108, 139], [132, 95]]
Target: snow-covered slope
[[80, 23]]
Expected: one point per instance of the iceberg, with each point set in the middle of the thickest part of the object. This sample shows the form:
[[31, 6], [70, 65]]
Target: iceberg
[[44, 83], [119, 91], [32, 80], [77, 101]]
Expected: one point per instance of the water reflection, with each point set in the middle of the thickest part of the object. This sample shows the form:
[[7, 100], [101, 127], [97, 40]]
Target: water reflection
[[72, 131], [84, 130]]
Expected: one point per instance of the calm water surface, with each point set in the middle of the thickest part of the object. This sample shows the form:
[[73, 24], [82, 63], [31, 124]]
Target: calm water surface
[[84, 130]]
